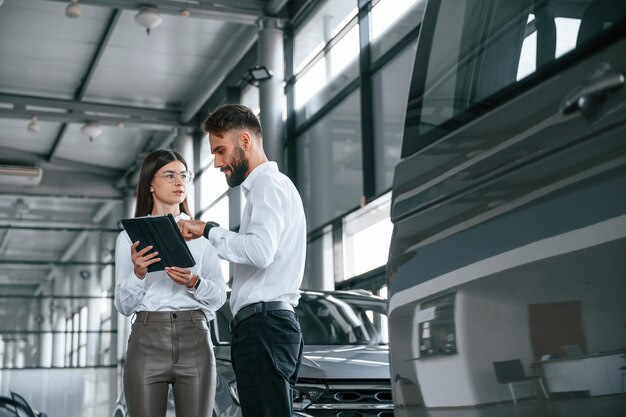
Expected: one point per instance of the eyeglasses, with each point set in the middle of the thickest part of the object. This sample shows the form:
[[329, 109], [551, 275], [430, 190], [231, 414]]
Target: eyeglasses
[[170, 176]]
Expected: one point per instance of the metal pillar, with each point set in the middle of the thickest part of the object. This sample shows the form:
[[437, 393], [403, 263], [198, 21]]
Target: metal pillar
[[45, 347], [184, 145], [271, 96]]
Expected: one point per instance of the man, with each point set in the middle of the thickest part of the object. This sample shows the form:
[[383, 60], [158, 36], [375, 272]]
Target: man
[[268, 253]]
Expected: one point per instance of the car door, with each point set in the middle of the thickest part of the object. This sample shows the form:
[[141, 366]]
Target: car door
[[514, 135]]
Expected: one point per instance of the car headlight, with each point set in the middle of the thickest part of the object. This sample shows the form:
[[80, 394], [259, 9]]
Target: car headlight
[[234, 394], [307, 394]]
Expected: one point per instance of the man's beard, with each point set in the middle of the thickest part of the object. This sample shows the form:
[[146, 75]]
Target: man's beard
[[238, 168]]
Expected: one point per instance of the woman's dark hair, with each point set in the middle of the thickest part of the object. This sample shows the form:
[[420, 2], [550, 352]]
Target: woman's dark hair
[[232, 117], [151, 165]]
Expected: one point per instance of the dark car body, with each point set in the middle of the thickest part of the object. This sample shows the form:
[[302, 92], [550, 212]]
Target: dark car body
[[509, 212]]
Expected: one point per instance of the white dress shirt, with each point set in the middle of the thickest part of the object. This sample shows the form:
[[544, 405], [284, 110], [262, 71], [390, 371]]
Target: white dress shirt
[[157, 291], [270, 248]]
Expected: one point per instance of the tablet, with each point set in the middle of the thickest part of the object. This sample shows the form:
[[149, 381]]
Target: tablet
[[162, 233]]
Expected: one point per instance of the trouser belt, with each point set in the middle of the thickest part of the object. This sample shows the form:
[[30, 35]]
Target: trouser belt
[[180, 315], [251, 309]]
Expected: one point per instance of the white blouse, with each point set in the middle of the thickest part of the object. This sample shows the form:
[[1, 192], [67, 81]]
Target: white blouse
[[157, 291]]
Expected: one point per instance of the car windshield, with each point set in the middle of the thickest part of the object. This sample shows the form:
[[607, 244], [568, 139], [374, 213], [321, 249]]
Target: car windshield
[[330, 319]]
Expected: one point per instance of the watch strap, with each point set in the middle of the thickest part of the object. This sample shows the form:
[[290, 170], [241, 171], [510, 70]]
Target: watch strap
[[207, 228], [193, 289]]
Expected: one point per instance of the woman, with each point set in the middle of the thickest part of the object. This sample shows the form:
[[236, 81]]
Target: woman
[[169, 341]]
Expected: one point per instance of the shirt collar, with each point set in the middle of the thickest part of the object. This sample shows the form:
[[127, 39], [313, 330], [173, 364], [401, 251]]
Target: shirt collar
[[264, 167], [181, 216]]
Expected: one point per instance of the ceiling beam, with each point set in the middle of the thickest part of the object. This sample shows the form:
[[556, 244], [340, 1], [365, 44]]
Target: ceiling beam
[[275, 6], [39, 264], [244, 12], [239, 45], [91, 69], [47, 228], [104, 41], [75, 111], [56, 197], [18, 157]]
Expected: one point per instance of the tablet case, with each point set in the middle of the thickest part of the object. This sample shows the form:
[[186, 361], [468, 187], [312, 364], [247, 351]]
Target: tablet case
[[162, 233]]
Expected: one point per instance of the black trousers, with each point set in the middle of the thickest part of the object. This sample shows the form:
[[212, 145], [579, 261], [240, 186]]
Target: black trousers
[[266, 352]]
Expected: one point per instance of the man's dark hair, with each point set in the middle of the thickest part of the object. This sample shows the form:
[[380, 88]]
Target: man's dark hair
[[231, 117]]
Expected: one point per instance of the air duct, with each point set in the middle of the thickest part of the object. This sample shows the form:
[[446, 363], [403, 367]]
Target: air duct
[[20, 176]]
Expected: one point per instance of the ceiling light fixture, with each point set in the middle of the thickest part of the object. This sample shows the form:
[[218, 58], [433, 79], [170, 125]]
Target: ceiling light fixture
[[20, 206], [260, 73], [91, 129], [148, 18], [33, 126], [72, 10], [256, 74]]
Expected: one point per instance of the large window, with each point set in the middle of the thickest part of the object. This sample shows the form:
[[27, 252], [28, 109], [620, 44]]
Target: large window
[[329, 80], [330, 168], [326, 56], [391, 20], [319, 268], [320, 28], [366, 237], [390, 92], [214, 194]]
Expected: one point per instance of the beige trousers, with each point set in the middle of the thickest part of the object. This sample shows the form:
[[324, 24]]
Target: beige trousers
[[170, 347]]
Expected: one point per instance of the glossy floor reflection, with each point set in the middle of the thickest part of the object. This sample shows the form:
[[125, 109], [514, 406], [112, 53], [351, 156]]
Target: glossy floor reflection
[[608, 406]]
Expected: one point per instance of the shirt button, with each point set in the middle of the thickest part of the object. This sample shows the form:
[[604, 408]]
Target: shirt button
[[174, 315]]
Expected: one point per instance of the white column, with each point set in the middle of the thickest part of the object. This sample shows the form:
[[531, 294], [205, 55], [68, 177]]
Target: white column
[[93, 325], [20, 353], [92, 288], [45, 340], [271, 54], [58, 340], [184, 145]]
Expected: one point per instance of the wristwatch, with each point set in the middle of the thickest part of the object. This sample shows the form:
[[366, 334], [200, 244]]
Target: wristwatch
[[195, 286], [207, 227]]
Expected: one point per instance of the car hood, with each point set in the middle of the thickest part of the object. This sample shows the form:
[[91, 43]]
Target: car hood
[[337, 362], [340, 362]]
